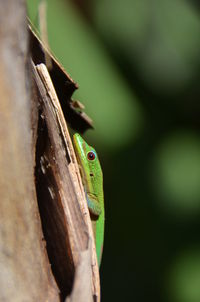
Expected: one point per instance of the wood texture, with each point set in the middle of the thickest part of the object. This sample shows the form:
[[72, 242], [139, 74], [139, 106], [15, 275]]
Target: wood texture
[[25, 273], [47, 249], [62, 201], [63, 84]]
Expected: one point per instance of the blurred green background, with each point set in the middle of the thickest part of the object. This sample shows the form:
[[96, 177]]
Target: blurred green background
[[137, 63]]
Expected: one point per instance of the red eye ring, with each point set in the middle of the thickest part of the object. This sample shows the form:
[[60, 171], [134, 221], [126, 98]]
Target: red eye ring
[[91, 155]]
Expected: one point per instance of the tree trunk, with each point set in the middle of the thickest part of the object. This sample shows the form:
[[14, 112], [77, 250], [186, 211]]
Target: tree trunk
[[46, 176]]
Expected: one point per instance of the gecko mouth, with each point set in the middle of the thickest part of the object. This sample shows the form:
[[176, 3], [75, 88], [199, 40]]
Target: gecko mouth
[[92, 195]]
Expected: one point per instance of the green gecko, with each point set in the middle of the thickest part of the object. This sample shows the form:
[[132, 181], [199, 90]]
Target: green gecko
[[92, 178]]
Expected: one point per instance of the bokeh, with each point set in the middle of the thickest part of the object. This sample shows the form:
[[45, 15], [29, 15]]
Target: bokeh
[[137, 63]]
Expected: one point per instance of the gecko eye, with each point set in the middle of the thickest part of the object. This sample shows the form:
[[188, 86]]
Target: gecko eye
[[91, 155]]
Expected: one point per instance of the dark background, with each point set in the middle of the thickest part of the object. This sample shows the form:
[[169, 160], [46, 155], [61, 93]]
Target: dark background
[[137, 63]]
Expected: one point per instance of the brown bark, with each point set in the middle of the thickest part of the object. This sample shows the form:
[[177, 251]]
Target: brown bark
[[25, 273], [39, 261], [63, 207]]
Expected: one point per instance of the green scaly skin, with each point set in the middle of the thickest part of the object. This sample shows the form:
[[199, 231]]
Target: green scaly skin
[[92, 178]]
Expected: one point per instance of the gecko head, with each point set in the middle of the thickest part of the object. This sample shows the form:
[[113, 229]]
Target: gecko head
[[88, 161]]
